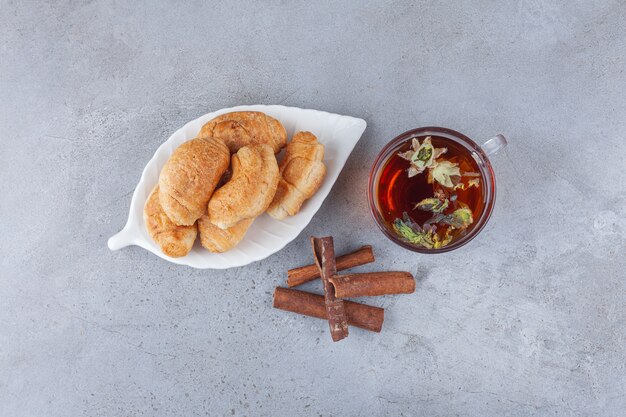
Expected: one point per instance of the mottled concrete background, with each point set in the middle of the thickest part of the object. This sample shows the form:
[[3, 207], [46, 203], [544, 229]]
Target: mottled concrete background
[[528, 319]]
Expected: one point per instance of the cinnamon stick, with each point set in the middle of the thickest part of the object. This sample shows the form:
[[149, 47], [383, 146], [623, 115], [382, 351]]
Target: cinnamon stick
[[359, 315], [373, 283], [324, 254], [361, 256]]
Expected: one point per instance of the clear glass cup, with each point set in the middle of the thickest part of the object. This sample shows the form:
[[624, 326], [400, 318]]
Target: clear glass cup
[[480, 155]]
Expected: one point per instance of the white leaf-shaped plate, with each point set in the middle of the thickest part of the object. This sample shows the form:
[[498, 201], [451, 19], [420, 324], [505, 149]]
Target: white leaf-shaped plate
[[266, 236]]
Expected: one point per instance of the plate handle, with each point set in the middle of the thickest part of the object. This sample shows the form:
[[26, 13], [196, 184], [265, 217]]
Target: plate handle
[[121, 239]]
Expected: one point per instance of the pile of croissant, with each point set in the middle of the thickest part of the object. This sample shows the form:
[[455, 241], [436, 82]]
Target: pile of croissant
[[216, 184]]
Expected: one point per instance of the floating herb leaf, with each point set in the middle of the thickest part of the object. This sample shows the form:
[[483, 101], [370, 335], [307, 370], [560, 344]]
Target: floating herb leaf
[[462, 218], [433, 204], [421, 156], [446, 173], [426, 236], [413, 236], [446, 239], [459, 219], [474, 182]]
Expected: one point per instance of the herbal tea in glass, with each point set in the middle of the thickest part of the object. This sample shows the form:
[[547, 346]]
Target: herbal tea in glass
[[430, 191]]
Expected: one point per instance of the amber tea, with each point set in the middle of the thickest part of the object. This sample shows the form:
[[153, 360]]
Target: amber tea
[[430, 191]]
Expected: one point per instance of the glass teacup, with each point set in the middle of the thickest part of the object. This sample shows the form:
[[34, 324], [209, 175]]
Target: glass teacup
[[433, 189]]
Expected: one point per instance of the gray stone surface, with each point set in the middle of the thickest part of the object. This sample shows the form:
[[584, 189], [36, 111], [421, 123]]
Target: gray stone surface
[[528, 319]]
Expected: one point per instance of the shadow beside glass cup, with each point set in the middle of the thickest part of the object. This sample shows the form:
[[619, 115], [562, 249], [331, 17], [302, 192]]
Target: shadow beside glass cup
[[479, 153]]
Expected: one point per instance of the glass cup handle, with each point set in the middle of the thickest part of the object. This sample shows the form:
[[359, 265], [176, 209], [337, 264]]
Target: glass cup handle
[[494, 145]]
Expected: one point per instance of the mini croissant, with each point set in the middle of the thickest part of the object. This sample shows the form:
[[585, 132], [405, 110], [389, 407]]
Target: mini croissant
[[174, 240], [302, 173], [242, 128], [189, 177], [219, 240], [250, 190]]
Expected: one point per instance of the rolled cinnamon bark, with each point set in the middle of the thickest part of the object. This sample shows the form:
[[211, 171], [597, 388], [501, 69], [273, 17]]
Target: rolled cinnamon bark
[[324, 254], [360, 315], [373, 283], [361, 256]]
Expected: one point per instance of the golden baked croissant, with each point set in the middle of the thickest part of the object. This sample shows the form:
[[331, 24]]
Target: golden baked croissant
[[174, 240], [219, 240], [302, 173], [250, 190], [242, 128], [189, 177]]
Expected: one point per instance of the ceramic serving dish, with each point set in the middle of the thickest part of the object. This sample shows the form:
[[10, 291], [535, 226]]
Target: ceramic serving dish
[[266, 236]]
